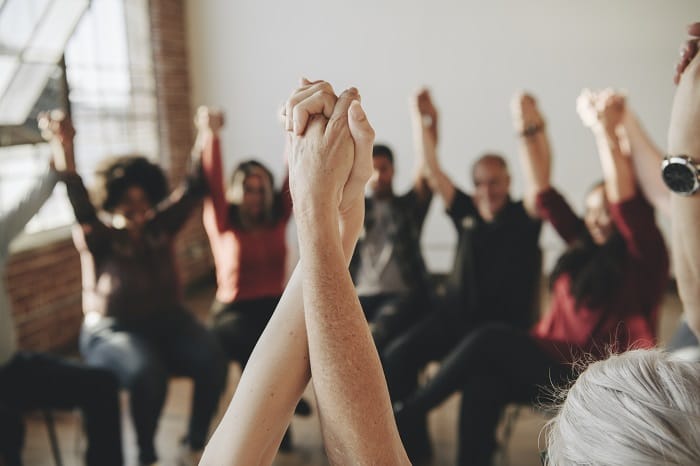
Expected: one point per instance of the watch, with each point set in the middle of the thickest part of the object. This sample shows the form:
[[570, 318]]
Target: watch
[[681, 174]]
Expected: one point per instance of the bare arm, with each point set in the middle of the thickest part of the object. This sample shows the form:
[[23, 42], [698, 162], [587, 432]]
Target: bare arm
[[646, 160], [424, 120], [356, 418], [603, 112], [533, 144], [684, 138], [264, 401]]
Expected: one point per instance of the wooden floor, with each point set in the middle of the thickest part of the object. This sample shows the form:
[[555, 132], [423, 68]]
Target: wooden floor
[[308, 449]]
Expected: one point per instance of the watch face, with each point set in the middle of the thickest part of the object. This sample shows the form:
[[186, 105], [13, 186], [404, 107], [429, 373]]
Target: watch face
[[679, 178]]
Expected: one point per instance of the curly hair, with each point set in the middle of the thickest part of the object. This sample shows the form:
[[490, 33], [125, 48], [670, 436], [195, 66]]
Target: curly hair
[[115, 175]]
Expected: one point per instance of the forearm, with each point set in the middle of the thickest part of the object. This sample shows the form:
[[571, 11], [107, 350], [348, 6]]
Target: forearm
[[13, 221], [620, 184], [685, 212], [646, 161], [270, 387], [347, 375], [426, 151], [536, 161]]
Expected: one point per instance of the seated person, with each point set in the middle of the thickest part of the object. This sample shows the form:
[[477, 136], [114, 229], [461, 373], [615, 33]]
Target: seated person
[[605, 289], [317, 331], [40, 381], [387, 267], [658, 388], [495, 277], [135, 323], [246, 225]]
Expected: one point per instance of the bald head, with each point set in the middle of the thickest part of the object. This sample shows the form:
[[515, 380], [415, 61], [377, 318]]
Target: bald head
[[491, 184]]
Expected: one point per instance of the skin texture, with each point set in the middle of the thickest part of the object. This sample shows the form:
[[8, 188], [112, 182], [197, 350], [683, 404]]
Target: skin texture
[[684, 138], [380, 183], [318, 329]]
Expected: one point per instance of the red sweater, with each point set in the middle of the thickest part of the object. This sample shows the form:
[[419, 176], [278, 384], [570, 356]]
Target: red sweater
[[250, 264], [629, 319]]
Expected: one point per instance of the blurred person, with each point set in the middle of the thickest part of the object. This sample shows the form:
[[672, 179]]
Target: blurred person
[[388, 268], [318, 330], [605, 289], [496, 270], [30, 380], [135, 323], [246, 224]]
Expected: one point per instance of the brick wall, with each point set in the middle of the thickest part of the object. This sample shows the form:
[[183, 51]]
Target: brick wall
[[44, 282]]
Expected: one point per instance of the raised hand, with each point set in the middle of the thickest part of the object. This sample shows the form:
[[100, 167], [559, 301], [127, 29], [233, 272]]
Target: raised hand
[[527, 119], [209, 119], [601, 109], [57, 129], [688, 51], [422, 107], [331, 157]]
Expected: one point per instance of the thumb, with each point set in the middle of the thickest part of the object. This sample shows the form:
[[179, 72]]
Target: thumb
[[362, 134], [361, 131]]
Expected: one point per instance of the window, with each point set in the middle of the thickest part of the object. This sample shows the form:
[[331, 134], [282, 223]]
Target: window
[[109, 75]]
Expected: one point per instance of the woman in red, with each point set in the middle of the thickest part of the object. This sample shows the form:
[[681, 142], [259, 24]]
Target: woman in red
[[606, 288], [246, 225]]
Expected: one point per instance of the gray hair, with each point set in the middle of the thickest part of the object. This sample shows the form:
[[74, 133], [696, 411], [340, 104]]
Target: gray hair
[[637, 408]]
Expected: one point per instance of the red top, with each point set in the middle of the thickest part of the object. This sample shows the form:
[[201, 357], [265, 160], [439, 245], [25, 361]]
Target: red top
[[629, 319], [250, 264]]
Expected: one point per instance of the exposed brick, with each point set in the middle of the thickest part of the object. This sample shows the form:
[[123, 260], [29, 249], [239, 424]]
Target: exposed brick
[[44, 283]]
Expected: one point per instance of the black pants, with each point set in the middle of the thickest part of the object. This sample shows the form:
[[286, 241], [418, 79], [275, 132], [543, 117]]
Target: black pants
[[492, 366], [145, 356], [238, 325], [39, 381], [391, 314]]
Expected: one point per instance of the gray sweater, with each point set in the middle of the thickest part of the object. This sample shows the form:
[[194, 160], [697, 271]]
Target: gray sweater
[[12, 223]]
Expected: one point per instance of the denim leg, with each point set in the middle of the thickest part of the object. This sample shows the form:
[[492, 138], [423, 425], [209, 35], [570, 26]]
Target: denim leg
[[139, 367]]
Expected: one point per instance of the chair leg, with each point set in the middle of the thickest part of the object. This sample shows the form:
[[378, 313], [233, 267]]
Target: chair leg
[[53, 439]]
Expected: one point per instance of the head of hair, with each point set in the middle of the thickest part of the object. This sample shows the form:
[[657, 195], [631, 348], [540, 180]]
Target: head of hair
[[381, 150], [595, 270], [115, 175], [641, 407], [236, 188], [490, 158]]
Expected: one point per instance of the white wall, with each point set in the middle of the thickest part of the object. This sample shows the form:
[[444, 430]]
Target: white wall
[[247, 55]]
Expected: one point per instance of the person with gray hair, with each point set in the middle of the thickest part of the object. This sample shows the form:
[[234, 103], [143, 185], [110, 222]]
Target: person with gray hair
[[641, 407]]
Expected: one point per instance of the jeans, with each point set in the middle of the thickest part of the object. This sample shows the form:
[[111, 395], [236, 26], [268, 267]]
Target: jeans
[[40, 381], [144, 356]]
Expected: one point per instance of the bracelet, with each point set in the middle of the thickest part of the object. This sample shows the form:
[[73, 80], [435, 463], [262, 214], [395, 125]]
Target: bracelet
[[531, 130]]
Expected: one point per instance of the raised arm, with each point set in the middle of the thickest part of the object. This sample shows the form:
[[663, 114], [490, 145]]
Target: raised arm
[[533, 145], [356, 418], [424, 119], [350, 410], [603, 113], [684, 138], [646, 160], [14, 220], [209, 122], [57, 128]]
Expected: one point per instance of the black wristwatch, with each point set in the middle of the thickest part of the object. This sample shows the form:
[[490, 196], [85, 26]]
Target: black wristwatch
[[681, 174]]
